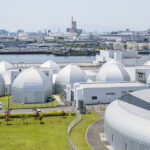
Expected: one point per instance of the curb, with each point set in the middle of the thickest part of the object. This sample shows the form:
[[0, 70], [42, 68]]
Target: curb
[[87, 132]]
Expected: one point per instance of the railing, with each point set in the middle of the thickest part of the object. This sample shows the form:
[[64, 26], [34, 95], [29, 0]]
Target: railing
[[72, 124]]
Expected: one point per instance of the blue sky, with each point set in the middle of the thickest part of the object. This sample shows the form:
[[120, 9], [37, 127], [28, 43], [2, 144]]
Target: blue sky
[[92, 15]]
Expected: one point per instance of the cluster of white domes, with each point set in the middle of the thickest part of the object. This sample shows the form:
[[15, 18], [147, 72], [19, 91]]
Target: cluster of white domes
[[112, 71], [31, 86], [69, 75]]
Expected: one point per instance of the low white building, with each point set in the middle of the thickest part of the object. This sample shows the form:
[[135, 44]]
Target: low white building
[[139, 73], [102, 92], [126, 57]]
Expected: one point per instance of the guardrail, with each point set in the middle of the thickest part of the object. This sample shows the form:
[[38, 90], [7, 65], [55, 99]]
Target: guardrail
[[72, 124]]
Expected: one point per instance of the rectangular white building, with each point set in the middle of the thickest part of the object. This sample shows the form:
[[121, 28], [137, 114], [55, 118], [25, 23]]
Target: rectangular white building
[[139, 73], [93, 93], [126, 57]]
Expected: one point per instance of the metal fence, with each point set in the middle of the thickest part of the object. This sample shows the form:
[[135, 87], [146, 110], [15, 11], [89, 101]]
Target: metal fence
[[72, 124]]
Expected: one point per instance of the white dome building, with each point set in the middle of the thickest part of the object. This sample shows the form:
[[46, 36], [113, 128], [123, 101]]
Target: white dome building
[[5, 66], [5, 70], [49, 64], [2, 86], [127, 122], [112, 71], [31, 86], [68, 76]]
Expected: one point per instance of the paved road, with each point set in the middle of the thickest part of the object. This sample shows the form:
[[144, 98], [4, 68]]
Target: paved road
[[94, 129], [60, 102], [53, 109]]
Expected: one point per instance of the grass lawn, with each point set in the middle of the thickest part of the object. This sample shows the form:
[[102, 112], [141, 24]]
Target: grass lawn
[[78, 132], [35, 136], [15, 105]]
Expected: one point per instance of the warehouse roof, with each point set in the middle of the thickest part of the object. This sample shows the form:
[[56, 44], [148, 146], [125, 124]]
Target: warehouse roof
[[112, 84]]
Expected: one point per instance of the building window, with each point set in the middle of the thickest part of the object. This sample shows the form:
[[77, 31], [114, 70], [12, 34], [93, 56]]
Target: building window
[[140, 75], [110, 93], [131, 91], [126, 146], [94, 97]]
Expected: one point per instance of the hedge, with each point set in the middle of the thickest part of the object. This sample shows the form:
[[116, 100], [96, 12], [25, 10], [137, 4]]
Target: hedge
[[45, 114]]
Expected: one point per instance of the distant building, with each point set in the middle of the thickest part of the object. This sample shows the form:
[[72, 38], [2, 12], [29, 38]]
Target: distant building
[[31, 36], [73, 28], [126, 57], [4, 33], [20, 31]]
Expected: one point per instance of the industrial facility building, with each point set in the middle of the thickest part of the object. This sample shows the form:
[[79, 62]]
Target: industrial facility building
[[127, 122], [105, 92], [91, 84], [112, 82], [126, 57], [31, 86], [139, 73]]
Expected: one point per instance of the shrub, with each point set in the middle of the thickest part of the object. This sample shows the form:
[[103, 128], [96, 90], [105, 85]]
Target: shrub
[[27, 115], [72, 113]]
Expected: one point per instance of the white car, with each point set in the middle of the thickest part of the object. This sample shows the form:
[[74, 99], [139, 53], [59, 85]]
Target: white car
[[1, 106]]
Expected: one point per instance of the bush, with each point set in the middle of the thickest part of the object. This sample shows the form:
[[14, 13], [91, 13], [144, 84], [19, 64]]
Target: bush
[[27, 115], [72, 113]]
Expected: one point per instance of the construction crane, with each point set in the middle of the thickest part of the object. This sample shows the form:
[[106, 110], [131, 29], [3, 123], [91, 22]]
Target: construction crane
[[78, 34]]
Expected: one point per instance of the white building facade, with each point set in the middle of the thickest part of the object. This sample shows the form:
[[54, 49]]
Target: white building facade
[[102, 92], [126, 57]]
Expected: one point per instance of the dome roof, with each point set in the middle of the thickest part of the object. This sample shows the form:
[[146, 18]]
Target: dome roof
[[31, 79], [147, 63], [50, 65], [113, 71], [71, 74], [6, 77], [4, 66]]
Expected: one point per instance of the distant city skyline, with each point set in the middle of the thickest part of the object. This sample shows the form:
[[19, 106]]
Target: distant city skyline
[[91, 15]]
